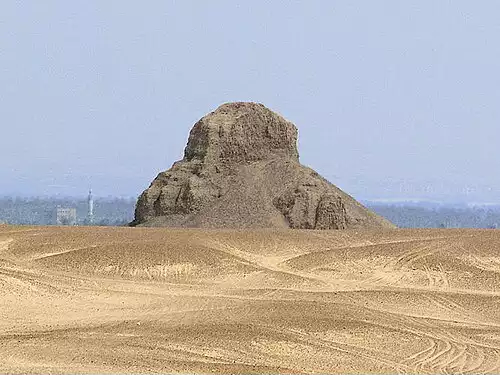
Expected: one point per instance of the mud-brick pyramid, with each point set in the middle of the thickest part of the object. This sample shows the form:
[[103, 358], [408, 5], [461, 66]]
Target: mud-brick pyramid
[[241, 170]]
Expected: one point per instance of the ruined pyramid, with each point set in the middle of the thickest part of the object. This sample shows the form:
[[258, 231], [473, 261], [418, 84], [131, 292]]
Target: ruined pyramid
[[241, 170]]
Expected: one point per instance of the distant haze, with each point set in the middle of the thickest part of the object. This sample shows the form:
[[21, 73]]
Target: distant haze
[[393, 99]]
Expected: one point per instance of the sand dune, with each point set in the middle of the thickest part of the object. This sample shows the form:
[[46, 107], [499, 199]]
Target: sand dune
[[143, 300]]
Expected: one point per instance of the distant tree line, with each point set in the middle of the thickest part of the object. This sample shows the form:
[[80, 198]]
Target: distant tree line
[[411, 216], [42, 210]]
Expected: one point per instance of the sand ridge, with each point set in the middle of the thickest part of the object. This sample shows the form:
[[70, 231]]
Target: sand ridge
[[150, 300]]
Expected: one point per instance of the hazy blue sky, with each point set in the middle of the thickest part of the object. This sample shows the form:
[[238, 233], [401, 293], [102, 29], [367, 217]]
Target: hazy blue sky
[[393, 99]]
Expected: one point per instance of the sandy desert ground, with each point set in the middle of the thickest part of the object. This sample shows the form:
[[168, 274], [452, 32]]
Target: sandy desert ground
[[144, 300]]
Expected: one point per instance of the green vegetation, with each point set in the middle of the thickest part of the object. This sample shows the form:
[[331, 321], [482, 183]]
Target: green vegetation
[[438, 216], [42, 211]]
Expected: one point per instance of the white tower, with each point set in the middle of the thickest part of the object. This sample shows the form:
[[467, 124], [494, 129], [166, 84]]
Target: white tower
[[91, 208]]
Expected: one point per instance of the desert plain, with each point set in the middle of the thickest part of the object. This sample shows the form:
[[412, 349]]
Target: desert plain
[[157, 300]]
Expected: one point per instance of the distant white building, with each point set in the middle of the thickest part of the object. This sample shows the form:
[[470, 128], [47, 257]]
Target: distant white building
[[66, 216], [90, 214]]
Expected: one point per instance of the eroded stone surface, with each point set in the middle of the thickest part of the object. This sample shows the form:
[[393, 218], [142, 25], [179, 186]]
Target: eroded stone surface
[[241, 170]]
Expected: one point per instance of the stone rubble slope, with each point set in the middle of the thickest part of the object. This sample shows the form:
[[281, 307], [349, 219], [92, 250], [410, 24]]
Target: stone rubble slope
[[241, 169]]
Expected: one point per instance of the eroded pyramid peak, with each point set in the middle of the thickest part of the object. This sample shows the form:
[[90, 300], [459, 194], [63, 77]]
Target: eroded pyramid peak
[[242, 132]]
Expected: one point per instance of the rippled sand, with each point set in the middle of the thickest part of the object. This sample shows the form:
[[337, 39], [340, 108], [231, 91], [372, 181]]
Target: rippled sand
[[142, 300]]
